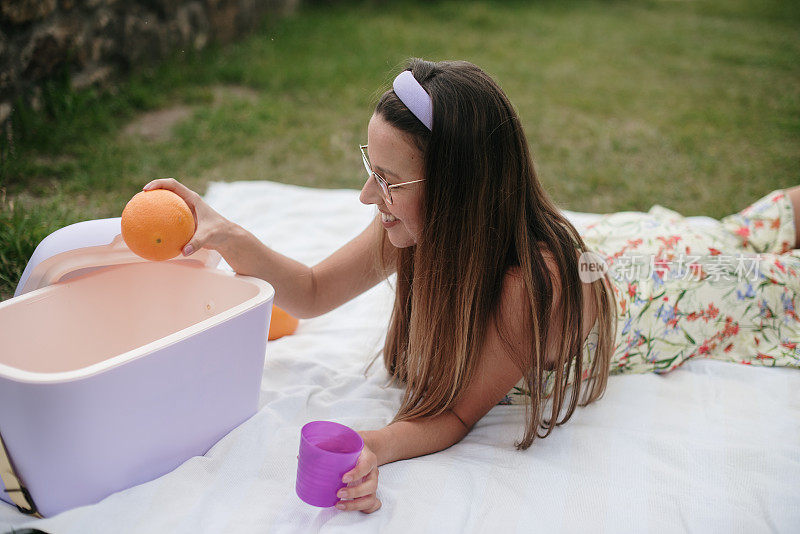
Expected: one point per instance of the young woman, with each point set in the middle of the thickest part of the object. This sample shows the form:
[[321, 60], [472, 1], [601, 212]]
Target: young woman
[[491, 305]]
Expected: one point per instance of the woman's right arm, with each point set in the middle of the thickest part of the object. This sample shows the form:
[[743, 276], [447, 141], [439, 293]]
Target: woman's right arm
[[300, 290], [307, 291]]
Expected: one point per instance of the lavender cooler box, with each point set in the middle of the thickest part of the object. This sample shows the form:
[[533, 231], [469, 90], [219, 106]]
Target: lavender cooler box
[[114, 370]]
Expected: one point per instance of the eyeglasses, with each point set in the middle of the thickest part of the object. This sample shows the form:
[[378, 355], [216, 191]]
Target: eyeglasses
[[386, 187]]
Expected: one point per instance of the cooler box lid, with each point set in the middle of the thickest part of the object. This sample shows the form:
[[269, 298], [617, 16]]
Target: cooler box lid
[[86, 246]]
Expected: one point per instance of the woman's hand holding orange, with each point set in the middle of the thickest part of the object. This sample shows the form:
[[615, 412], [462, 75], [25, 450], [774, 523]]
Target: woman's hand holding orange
[[362, 484], [212, 229]]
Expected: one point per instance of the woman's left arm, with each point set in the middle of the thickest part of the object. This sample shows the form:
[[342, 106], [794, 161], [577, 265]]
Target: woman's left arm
[[416, 437], [495, 375]]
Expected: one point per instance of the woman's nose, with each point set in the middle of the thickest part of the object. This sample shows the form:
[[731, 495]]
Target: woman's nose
[[370, 193]]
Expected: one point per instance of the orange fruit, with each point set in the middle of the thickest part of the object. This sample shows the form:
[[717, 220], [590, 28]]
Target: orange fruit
[[281, 324], [156, 224]]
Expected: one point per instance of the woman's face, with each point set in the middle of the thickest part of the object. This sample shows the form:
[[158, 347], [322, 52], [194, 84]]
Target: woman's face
[[397, 160]]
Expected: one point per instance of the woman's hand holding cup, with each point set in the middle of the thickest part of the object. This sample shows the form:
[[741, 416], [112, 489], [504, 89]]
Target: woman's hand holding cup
[[335, 463], [362, 484]]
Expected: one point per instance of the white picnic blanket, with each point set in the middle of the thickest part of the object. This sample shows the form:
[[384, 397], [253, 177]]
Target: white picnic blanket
[[709, 447]]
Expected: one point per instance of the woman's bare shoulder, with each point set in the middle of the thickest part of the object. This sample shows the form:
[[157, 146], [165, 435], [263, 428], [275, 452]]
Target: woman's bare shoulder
[[515, 294]]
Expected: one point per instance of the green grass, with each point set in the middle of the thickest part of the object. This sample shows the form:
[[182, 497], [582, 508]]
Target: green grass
[[694, 105]]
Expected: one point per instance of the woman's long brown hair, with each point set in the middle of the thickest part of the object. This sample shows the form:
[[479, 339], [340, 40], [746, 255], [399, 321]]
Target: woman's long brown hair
[[484, 211]]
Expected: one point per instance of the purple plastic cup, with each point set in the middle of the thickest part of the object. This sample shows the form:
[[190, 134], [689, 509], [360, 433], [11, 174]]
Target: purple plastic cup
[[328, 450]]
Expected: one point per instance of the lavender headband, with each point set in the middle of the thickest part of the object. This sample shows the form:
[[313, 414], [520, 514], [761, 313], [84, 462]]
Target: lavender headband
[[416, 99]]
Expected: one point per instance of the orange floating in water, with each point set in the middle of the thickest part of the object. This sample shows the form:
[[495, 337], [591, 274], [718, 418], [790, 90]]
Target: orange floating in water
[[281, 324]]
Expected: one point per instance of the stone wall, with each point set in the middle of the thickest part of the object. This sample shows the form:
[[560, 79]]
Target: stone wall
[[96, 41]]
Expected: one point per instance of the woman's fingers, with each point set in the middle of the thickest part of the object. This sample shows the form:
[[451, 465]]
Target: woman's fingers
[[175, 186], [197, 242], [375, 506], [367, 504], [368, 487], [362, 483], [367, 461]]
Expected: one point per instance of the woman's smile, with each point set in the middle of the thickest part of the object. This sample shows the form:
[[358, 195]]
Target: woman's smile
[[388, 219], [392, 153]]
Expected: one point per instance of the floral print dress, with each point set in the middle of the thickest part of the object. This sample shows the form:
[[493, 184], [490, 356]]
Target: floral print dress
[[727, 291]]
